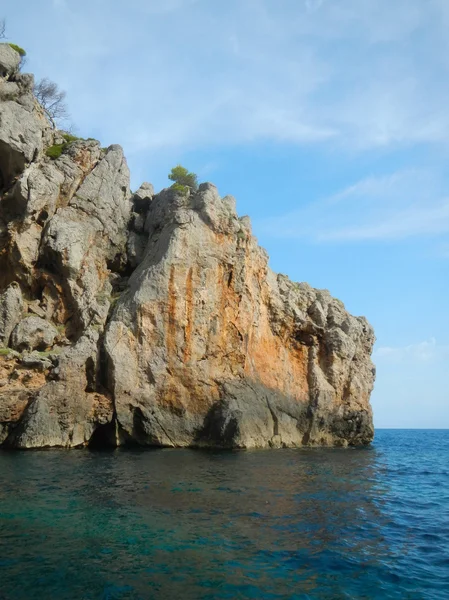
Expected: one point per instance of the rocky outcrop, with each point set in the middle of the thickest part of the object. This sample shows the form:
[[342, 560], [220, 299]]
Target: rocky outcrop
[[33, 333], [207, 346], [9, 61], [24, 131], [67, 409], [154, 319]]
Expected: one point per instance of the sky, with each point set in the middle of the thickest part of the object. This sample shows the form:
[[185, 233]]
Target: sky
[[328, 120]]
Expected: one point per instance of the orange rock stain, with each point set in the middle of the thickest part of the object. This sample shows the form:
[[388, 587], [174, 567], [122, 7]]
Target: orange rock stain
[[189, 316]]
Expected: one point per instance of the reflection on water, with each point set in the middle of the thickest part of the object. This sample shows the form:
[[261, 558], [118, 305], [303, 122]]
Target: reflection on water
[[192, 524]]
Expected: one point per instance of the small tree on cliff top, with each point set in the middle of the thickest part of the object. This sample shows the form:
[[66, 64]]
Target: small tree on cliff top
[[2, 29], [184, 178]]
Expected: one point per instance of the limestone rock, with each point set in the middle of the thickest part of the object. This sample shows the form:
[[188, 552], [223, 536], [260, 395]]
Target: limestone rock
[[209, 347], [137, 222], [66, 411], [137, 243], [34, 360], [33, 333], [164, 322], [11, 310], [82, 239], [9, 60], [142, 198], [34, 308], [18, 386], [22, 136], [104, 195], [8, 90]]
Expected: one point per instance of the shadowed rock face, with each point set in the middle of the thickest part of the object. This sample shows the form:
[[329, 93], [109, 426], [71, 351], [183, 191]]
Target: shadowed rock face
[[155, 319]]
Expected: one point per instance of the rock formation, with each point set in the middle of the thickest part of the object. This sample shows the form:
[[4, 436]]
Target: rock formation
[[154, 319]]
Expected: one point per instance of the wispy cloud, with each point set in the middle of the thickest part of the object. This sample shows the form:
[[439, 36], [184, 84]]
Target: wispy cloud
[[358, 73], [413, 221], [425, 351], [396, 206]]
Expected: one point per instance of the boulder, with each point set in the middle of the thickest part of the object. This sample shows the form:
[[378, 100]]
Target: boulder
[[9, 90], [33, 333], [9, 60], [143, 197], [34, 360]]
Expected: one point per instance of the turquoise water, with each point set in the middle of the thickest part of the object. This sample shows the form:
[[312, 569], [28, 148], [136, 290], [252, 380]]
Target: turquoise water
[[313, 523]]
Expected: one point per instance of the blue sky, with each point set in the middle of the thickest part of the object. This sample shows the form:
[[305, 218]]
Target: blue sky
[[328, 120]]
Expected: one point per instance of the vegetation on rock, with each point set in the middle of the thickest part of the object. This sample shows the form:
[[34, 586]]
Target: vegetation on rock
[[69, 138], [18, 49], [183, 179], [55, 151], [181, 189]]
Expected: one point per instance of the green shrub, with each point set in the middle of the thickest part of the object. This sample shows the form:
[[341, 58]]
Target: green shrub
[[69, 138], [182, 189], [184, 178], [55, 151], [18, 49]]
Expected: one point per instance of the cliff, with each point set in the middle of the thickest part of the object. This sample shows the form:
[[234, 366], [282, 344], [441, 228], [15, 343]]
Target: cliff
[[154, 318]]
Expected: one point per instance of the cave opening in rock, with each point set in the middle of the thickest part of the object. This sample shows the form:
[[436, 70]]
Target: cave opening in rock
[[104, 437]]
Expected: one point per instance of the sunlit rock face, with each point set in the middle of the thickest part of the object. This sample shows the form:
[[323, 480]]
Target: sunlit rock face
[[209, 347], [154, 319]]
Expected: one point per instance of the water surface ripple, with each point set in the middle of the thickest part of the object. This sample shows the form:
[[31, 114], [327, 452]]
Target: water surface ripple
[[359, 523]]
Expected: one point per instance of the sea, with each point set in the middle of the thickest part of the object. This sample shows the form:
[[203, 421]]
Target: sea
[[363, 523]]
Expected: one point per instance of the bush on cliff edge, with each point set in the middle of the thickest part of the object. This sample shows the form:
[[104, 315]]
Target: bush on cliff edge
[[183, 179]]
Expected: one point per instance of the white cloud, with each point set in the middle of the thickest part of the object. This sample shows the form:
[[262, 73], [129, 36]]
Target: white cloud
[[396, 206], [425, 351], [354, 73]]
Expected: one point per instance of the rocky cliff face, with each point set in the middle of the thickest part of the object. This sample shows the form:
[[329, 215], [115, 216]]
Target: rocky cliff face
[[154, 319]]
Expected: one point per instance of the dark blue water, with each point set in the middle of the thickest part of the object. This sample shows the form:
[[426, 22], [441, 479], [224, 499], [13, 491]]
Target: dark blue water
[[361, 523]]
